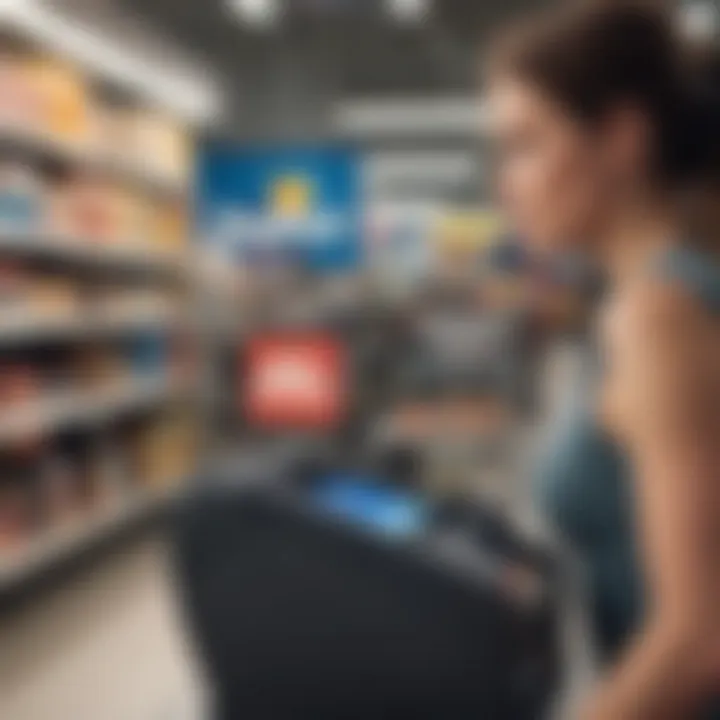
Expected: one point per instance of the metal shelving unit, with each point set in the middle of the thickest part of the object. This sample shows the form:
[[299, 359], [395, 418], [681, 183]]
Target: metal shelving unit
[[80, 252], [85, 409], [59, 151], [50, 550], [71, 410], [23, 331]]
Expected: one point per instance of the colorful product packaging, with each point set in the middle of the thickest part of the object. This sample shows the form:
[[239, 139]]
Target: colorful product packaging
[[21, 198], [20, 97], [65, 101]]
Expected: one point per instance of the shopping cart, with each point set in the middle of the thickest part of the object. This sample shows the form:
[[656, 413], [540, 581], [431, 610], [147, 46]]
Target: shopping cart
[[306, 608]]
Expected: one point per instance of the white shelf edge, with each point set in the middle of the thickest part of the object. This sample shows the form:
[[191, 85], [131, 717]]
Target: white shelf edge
[[28, 242], [73, 409], [54, 546], [30, 329], [66, 152]]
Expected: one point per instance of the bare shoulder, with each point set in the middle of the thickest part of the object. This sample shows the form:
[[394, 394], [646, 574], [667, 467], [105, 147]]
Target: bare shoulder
[[663, 350], [654, 316]]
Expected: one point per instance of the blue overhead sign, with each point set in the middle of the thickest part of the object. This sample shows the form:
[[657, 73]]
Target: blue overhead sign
[[303, 201]]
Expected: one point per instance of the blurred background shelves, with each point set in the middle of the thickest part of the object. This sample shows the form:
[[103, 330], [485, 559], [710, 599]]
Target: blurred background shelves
[[18, 140], [63, 544], [23, 330], [82, 409], [131, 256], [99, 422]]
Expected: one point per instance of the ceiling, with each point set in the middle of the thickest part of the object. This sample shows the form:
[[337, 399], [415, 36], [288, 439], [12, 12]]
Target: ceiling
[[323, 51], [351, 43], [286, 83]]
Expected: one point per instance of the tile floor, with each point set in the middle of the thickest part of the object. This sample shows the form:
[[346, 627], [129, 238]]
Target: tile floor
[[105, 646]]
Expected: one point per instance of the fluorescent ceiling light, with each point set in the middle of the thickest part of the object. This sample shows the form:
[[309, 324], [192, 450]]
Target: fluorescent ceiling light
[[194, 98], [439, 167], [258, 13], [402, 210], [444, 117], [412, 11]]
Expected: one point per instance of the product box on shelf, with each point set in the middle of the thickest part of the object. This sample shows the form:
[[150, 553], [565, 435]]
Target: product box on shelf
[[14, 283], [88, 208], [161, 146], [119, 139], [17, 505], [122, 304], [134, 228], [111, 134], [20, 97], [109, 468], [53, 296], [64, 99], [22, 198], [148, 354], [100, 367], [169, 226], [20, 383], [165, 448], [64, 493]]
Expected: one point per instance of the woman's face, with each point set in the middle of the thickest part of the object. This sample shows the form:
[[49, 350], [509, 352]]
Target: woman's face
[[553, 177]]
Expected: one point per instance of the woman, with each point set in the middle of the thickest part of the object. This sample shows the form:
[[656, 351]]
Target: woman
[[605, 131]]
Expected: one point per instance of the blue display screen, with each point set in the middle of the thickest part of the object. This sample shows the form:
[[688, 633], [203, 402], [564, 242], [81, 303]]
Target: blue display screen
[[367, 502]]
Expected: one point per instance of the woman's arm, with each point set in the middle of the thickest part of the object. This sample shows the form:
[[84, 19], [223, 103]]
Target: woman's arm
[[665, 364]]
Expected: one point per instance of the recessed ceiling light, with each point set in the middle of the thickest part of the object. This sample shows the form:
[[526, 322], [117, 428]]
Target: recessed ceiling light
[[258, 13], [412, 11]]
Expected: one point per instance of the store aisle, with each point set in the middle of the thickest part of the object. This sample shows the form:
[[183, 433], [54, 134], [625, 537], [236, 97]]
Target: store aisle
[[106, 646]]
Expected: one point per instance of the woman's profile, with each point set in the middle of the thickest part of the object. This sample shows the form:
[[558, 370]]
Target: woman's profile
[[607, 129]]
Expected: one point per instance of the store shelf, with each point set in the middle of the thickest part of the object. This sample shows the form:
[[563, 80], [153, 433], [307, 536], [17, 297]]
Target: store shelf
[[70, 410], [131, 168], [58, 546], [61, 151], [79, 252], [24, 330], [141, 70]]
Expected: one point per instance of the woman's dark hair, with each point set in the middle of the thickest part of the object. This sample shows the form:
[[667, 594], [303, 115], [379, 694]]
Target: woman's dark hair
[[590, 56]]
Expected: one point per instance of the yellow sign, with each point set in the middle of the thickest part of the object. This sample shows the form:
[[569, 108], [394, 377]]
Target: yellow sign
[[468, 230], [291, 196]]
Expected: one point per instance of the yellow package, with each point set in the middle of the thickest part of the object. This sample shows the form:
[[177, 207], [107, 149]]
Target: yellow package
[[132, 211], [166, 450], [170, 227], [65, 101], [163, 145]]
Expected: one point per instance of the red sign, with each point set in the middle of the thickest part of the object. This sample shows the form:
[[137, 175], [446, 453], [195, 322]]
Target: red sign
[[295, 381]]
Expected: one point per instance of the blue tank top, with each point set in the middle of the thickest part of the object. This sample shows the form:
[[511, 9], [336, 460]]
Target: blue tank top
[[585, 487]]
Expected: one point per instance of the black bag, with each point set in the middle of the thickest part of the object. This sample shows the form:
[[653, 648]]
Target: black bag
[[301, 616]]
